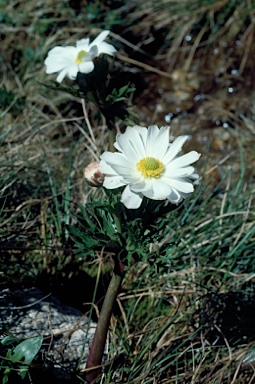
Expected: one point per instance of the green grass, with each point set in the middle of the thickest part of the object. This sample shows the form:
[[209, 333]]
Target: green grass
[[184, 315]]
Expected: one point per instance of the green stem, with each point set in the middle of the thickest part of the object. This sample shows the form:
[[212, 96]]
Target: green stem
[[98, 344], [118, 223]]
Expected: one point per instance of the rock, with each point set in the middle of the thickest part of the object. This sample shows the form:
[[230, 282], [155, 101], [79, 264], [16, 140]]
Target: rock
[[67, 332]]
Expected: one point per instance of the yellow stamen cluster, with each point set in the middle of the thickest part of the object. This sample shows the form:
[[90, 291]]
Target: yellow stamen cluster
[[150, 167], [80, 56]]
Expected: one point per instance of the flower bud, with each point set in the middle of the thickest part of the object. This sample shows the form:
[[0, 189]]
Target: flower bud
[[93, 176]]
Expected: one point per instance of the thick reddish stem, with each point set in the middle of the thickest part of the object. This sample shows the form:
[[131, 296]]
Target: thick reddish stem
[[98, 344]]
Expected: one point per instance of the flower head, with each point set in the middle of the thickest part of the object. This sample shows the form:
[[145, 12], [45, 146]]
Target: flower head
[[148, 165], [93, 176], [68, 61]]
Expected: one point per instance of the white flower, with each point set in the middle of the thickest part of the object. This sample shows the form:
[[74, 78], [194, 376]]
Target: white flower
[[68, 61], [148, 165]]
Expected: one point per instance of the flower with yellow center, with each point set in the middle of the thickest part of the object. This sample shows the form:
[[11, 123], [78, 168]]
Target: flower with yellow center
[[68, 61], [148, 165]]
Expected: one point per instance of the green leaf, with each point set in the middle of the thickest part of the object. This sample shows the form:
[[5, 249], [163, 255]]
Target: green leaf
[[9, 339], [27, 349], [87, 241], [23, 371], [9, 354], [90, 242], [87, 218], [122, 90], [6, 373]]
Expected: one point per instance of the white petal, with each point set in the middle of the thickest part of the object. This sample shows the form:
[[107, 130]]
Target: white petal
[[131, 179], [51, 66], [61, 75], [159, 190], [93, 52], [194, 175], [140, 186], [142, 133], [72, 71], [115, 159], [86, 67], [57, 63], [101, 37], [137, 136], [162, 144], [174, 149], [130, 199], [83, 44], [185, 195], [126, 171], [180, 185], [130, 131], [59, 51], [112, 182], [174, 197], [116, 163], [185, 160], [106, 168], [159, 144], [54, 50], [178, 172], [105, 48], [129, 146], [152, 135]]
